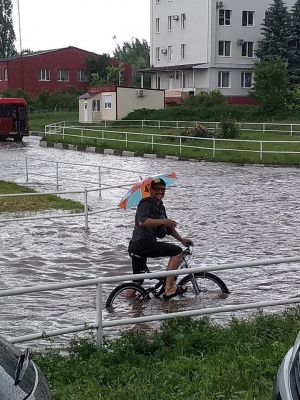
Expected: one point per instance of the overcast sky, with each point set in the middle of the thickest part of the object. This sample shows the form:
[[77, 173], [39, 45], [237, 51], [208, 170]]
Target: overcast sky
[[87, 24]]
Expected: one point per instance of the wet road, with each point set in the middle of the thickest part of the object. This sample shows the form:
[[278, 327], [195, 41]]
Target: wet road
[[233, 213]]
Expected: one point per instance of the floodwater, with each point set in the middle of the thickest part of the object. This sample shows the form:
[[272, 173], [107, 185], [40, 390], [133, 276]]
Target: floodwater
[[233, 214]]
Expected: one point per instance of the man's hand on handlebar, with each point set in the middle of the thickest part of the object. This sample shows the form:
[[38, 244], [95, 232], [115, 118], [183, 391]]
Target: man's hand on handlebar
[[187, 242]]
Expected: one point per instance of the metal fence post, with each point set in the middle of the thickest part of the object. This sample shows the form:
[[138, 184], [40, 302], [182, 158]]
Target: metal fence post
[[26, 169], [86, 209], [99, 314], [261, 151], [99, 181], [56, 166], [214, 147]]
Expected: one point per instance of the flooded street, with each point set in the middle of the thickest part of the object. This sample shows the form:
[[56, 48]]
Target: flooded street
[[233, 214]]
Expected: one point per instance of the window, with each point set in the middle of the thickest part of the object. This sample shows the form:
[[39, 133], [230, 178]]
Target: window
[[63, 75], [247, 49], [0, 74], [224, 48], [5, 74], [223, 79], [183, 21], [44, 74], [246, 79], [183, 51], [107, 101], [96, 105], [157, 25], [157, 54], [248, 18], [81, 76], [170, 23], [225, 17], [170, 53]]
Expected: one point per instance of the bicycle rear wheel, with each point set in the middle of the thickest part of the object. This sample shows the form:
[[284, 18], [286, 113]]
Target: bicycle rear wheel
[[204, 284], [117, 299]]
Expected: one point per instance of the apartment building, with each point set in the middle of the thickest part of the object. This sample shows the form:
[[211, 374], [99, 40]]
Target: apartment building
[[205, 44]]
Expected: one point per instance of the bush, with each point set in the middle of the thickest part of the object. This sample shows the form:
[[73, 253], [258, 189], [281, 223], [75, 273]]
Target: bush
[[229, 129]]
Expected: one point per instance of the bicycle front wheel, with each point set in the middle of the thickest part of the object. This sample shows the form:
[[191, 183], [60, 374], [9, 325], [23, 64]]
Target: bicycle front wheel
[[118, 299], [204, 284]]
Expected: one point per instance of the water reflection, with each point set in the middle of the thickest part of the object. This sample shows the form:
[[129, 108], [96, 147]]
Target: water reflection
[[233, 213]]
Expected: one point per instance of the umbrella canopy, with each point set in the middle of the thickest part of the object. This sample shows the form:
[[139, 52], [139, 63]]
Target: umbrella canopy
[[141, 189]]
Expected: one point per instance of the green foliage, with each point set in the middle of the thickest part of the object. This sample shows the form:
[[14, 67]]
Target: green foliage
[[275, 32], [183, 358], [206, 99], [270, 85], [97, 64], [7, 33], [48, 101], [137, 54], [294, 99], [294, 60], [229, 129]]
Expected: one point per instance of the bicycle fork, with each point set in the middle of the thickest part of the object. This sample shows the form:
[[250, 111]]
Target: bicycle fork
[[195, 284]]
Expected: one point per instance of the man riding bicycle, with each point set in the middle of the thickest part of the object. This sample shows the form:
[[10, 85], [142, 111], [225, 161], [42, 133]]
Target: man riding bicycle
[[151, 222]]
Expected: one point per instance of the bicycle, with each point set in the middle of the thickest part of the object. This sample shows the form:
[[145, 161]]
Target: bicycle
[[199, 283]]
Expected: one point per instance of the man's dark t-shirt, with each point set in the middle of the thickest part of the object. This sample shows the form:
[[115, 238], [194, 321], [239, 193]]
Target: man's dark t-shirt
[[148, 208]]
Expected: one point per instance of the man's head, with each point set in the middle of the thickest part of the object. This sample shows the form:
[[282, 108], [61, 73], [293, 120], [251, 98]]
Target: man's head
[[158, 182], [158, 188]]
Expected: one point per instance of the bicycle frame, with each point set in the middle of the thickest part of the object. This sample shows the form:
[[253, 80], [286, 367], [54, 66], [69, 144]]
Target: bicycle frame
[[187, 255]]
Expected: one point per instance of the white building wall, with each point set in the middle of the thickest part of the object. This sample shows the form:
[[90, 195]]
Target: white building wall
[[201, 37]]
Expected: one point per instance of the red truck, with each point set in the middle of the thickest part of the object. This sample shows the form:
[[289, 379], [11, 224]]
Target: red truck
[[13, 118]]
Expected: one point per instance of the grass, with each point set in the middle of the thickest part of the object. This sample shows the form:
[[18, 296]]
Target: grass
[[245, 150], [185, 359], [37, 121], [32, 203]]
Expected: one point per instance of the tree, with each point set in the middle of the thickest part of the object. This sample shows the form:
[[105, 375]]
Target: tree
[[97, 64], [112, 76], [276, 33], [7, 33], [270, 85], [137, 54], [294, 61]]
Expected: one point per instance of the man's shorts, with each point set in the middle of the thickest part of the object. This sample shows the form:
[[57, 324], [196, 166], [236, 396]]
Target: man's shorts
[[140, 250]]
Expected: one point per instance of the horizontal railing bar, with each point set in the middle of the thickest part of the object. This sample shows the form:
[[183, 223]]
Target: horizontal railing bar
[[86, 165], [118, 278], [157, 317]]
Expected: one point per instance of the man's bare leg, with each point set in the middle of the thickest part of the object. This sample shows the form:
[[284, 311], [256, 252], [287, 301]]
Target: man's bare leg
[[172, 265]]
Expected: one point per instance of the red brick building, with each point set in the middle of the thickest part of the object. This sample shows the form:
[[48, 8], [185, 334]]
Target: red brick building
[[50, 70]]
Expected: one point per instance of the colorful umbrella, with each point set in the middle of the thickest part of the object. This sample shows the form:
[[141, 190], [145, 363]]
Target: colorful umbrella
[[141, 189]]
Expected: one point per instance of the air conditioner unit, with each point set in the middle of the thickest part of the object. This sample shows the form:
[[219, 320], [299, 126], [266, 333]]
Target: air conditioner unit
[[220, 4], [164, 51], [175, 17], [141, 92], [240, 42]]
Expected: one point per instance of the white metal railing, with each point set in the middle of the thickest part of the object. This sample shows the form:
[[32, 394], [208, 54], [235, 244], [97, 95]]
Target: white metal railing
[[150, 140], [264, 127], [84, 214], [58, 176], [100, 323]]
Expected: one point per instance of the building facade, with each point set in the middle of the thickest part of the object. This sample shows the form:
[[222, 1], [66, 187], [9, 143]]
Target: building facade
[[110, 103], [205, 44], [50, 70]]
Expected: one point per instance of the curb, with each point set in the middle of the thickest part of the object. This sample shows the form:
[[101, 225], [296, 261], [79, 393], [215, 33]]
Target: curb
[[112, 152]]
